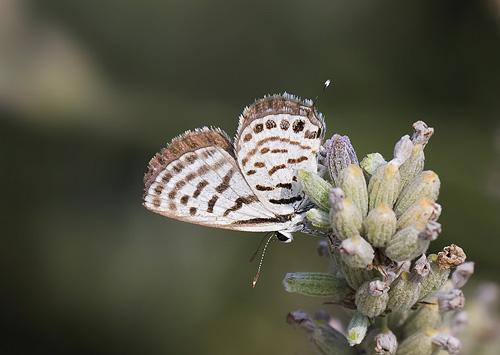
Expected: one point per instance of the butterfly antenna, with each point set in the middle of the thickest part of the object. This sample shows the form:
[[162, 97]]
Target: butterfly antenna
[[261, 260], [325, 86], [252, 258]]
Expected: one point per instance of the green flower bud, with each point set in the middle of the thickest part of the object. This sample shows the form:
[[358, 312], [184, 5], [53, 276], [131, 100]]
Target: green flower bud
[[421, 211], [315, 284], [318, 218], [426, 184], [427, 316], [408, 243], [411, 167], [352, 182], [324, 338], [403, 293], [339, 154], [383, 186], [356, 330], [371, 298], [380, 225], [327, 340], [354, 276], [436, 278], [316, 188], [356, 252], [419, 343], [415, 163], [371, 163], [345, 218]]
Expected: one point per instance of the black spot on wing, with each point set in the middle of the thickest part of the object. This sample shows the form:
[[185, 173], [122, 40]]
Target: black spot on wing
[[284, 125], [238, 203], [297, 160], [276, 168], [264, 188], [298, 126], [201, 185], [258, 128], [285, 201], [211, 203], [224, 185], [270, 124], [278, 219]]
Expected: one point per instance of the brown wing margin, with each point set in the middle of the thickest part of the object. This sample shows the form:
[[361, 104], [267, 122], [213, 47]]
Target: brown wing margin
[[187, 142], [281, 104]]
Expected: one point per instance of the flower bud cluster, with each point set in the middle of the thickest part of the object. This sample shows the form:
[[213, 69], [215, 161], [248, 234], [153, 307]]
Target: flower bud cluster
[[381, 215]]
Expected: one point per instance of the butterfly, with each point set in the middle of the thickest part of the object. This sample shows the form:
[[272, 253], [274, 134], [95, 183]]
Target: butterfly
[[201, 177]]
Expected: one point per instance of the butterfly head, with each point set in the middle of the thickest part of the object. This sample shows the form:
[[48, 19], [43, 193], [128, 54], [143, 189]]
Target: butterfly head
[[284, 236]]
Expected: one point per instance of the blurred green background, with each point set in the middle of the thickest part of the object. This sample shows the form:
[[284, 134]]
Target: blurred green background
[[90, 90]]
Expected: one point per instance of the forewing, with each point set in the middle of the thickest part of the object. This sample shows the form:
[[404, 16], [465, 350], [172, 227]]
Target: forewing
[[276, 136], [196, 179]]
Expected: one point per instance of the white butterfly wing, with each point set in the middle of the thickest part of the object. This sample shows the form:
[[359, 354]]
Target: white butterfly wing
[[196, 179], [276, 136]]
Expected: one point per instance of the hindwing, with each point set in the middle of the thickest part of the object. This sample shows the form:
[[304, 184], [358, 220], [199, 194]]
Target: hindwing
[[276, 136]]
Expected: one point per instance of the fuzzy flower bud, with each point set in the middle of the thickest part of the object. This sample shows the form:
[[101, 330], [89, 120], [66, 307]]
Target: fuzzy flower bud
[[371, 298], [427, 316], [356, 252], [436, 278], [356, 330], [383, 186], [402, 150], [411, 167], [419, 343], [371, 163], [447, 343], [314, 284], [415, 163], [354, 276], [421, 133], [301, 319], [403, 293], [426, 184], [339, 154], [384, 342], [352, 181], [324, 338], [408, 243], [451, 300], [380, 225], [421, 211], [318, 218], [345, 217], [316, 188], [462, 274], [421, 269]]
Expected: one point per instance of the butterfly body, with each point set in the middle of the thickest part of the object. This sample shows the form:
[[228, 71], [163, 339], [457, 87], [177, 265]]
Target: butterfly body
[[202, 178]]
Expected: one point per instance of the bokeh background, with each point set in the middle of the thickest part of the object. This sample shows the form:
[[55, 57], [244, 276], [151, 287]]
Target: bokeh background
[[90, 90]]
